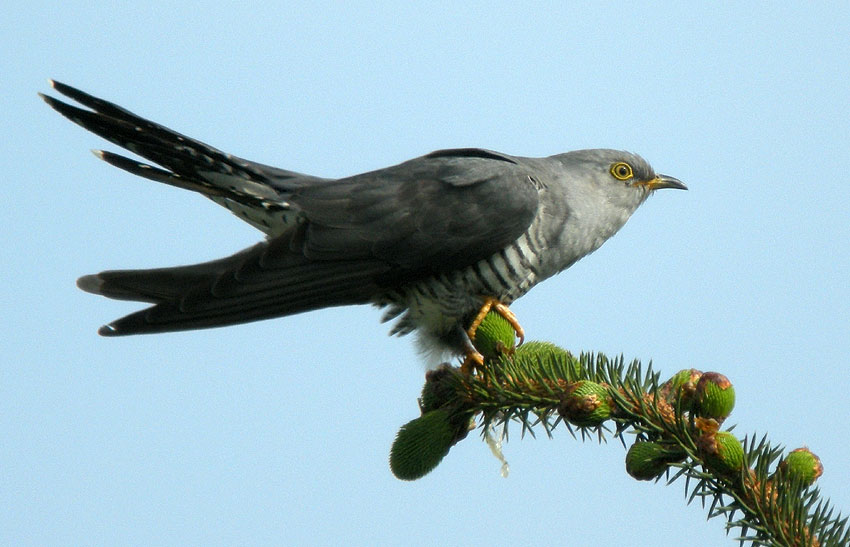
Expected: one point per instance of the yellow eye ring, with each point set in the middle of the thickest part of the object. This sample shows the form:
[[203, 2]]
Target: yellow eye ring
[[622, 171]]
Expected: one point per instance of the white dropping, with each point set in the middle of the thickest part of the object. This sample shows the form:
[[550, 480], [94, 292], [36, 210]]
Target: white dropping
[[494, 441]]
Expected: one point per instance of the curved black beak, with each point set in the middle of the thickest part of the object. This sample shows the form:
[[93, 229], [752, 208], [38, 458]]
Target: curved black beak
[[664, 181]]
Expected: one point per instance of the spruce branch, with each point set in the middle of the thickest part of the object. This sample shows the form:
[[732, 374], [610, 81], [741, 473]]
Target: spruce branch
[[676, 426]]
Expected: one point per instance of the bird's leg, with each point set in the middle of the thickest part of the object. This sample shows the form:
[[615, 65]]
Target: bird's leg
[[473, 358], [493, 304]]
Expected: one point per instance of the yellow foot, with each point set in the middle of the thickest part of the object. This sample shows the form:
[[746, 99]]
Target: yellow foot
[[474, 360], [493, 304]]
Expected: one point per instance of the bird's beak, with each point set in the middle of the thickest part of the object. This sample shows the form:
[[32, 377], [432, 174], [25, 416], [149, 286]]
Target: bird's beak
[[663, 181]]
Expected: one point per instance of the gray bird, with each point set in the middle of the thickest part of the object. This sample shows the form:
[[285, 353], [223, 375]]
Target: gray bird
[[437, 240]]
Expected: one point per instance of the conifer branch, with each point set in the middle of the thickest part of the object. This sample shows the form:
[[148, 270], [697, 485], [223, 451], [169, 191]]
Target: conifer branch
[[676, 426]]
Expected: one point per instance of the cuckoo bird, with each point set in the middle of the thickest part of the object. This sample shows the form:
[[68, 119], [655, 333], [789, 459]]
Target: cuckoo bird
[[437, 241]]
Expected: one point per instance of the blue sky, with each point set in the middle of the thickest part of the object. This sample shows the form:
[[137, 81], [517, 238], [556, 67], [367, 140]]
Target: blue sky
[[278, 432]]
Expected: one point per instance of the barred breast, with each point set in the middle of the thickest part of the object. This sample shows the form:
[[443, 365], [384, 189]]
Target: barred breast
[[436, 306]]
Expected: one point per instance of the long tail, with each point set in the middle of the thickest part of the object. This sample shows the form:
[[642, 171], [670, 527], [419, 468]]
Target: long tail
[[260, 282], [240, 185], [270, 279]]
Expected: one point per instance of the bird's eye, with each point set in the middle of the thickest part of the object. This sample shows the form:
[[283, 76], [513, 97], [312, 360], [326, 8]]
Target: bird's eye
[[622, 171]]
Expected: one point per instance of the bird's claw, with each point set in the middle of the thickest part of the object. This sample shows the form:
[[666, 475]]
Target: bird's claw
[[474, 360], [494, 305]]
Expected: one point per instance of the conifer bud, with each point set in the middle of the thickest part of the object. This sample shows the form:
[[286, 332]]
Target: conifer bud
[[802, 464], [681, 387], [495, 335], [714, 397], [647, 460], [723, 451], [421, 445], [587, 404]]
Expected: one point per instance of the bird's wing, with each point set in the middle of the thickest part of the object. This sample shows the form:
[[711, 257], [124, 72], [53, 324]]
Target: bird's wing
[[432, 214]]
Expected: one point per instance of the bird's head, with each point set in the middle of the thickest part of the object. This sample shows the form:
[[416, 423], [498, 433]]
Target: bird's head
[[619, 178]]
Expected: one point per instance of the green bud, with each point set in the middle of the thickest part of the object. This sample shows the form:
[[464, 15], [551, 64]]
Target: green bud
[[587, 404], [421, 445], [495, 335], [714, 397], [682, 386], [531, 354], [439, 388], [647, 460], [802, 464], [723, 451]]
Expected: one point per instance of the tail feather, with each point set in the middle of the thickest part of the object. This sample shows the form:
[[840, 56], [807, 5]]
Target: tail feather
[[153, 173], [273, 278], [157, 285], [170, 318], [248, 286], [187, 163]]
